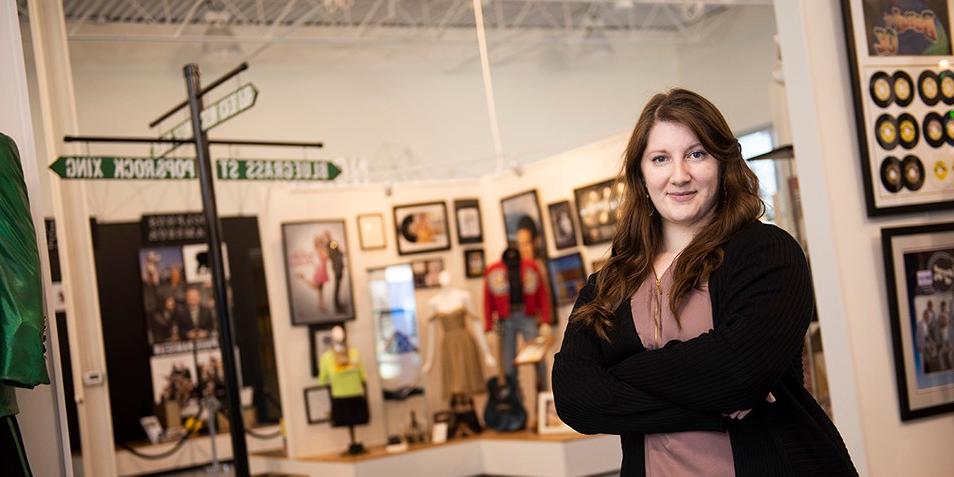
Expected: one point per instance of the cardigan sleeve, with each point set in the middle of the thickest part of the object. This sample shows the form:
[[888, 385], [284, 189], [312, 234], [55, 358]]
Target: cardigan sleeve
[[768, 303], [591, 401]]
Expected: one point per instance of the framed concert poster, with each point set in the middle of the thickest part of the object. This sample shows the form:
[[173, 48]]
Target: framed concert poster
[[903, 94], [919, 266], [567, 277], [523, 223], [421, 228], [561, 221], [318, 272], [469, 227], [596, 206]]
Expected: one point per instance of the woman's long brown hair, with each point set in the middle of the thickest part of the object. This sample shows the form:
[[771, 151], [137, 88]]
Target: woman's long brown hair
[[638, 235]]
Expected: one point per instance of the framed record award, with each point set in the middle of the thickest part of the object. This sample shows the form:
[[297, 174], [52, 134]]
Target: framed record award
[[904, 102]]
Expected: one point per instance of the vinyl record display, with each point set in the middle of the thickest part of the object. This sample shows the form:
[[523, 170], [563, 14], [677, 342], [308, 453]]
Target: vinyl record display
[[880, 89], [886, 130], [903, 88], [940, 170], [912, 173], [947, 86], [891, 174], [928, 88], [933, 127], [908, 131]]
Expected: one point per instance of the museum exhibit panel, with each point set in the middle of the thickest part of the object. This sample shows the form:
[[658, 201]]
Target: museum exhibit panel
[[345, 237]]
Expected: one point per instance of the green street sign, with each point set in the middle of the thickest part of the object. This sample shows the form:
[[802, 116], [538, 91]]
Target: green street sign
[[217, 113], [123, 168], [276, 170]]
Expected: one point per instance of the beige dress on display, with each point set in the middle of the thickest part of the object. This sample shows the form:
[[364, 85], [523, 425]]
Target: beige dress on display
[[461, 371]]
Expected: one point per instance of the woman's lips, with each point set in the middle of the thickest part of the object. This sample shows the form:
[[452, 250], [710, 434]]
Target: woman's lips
[[682, 196]]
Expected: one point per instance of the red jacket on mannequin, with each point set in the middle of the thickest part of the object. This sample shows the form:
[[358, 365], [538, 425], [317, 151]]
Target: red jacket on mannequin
[[536, 297]]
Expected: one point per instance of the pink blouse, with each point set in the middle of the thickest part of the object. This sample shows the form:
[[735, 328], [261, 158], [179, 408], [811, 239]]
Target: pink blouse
[[679, 453]]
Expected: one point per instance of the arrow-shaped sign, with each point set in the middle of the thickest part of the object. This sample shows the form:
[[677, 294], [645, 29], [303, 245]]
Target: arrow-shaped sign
[[217, 113], [276, 170]]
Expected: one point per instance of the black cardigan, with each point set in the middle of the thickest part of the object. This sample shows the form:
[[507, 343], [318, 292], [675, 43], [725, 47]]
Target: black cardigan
[[762, 303]]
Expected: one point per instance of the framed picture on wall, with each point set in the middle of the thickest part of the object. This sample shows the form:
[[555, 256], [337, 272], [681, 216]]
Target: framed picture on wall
[[421, 228], [567, 277], [371, 232], [469, 227], [523, 223], [474, 263], [919, 267], [426, 272], [318, 404], [561, 222], [318, 272], [596, 207], [902, 95]]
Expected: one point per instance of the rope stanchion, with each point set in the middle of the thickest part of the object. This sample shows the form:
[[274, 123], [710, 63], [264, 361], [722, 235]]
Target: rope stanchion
[[178, 445]]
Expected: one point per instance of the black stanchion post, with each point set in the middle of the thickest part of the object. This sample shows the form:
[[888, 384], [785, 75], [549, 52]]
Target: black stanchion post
[[236, 427]]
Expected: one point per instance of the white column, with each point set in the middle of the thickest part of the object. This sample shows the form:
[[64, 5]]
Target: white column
[[42, 417], [58, 112]]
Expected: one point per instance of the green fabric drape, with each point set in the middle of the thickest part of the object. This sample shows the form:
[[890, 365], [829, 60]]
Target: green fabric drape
[[22, 321]]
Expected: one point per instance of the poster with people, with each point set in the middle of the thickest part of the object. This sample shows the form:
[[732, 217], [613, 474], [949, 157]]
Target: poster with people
[[318, 272]]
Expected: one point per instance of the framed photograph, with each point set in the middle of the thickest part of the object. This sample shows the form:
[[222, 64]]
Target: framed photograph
[[567, 277], [919, 266], [596, 207], [902, 95], [548, 422], [561, 222], [421, 228], [523, 223], [474, 263], [469, 226], [371, 232], [427, 272], [318, 272], [318, 404]]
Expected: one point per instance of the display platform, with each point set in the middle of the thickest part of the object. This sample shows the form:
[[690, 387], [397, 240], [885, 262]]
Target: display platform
[[195, 451], [516, 454]]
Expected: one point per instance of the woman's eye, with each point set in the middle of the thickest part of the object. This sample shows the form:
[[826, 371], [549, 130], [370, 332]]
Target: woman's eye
[[697, 155], [659, 159]]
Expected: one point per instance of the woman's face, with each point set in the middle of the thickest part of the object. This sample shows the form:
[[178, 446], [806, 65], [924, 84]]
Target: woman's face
[[681, 177]]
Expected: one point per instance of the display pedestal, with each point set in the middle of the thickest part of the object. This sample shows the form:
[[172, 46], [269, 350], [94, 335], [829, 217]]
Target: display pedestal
[[196, 451], [515, 454]]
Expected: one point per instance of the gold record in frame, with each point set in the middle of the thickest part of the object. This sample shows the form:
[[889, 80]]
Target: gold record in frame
[[891, 174], [886, 130], [928, 88], [903, 88], [908, 131], [933, 128], [946, 79], [912, 173], [880, 89]]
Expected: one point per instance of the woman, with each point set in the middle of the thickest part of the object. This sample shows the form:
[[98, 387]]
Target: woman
[[687, 343]]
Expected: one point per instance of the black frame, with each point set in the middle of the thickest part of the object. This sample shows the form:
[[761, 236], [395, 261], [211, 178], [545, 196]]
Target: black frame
[[361, 232], [858, 92], [348, 268], [553, 224], [397, 227], [483, 259], [308, 411], [579, 191], [468, 204], [542, 252], [891, 283]]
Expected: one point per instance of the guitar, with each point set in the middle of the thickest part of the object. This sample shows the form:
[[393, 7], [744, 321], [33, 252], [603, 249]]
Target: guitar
[[504, 411]]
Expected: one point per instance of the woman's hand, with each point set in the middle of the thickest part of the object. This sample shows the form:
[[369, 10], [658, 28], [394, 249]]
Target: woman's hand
[[738, 415]]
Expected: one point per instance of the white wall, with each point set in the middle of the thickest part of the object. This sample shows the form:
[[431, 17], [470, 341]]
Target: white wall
[[734, 69], [845, 247]]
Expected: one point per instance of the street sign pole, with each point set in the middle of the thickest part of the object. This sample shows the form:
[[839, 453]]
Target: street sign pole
[[210, 210]]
